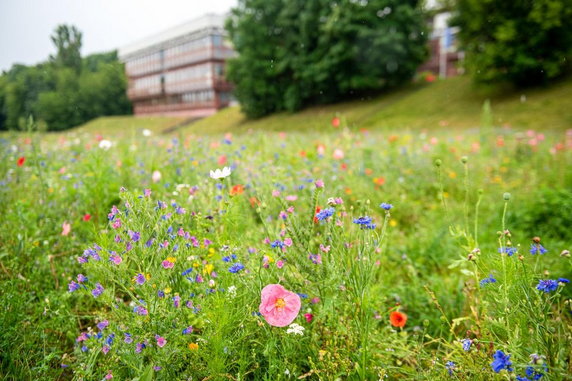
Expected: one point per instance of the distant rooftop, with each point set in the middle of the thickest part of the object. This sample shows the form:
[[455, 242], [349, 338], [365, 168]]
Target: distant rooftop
[[153, 42]]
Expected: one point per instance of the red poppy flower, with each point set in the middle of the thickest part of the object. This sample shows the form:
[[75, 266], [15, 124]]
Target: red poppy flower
[[87, 217], [336, 122], [397, 319], [21, 161], [236, 190], [316, 212]]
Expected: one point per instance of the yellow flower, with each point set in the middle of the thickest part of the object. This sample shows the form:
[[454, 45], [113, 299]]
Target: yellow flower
[[208, 269], [452, 174], [392, 223], [172, 259], [193, 346], [168, 290]]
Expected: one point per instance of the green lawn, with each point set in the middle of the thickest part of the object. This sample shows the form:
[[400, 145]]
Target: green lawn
[[451, 103]]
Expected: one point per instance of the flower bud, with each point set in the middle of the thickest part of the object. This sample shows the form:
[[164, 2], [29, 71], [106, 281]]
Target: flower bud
[[506, 196]]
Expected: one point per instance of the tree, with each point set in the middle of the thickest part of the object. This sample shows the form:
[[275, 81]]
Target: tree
[[523, 42], [67, 40], [294, 53]]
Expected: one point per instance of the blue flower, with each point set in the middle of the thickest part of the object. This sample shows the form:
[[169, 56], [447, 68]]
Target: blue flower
[[467, 344], [385, 206], [73, 286], [547, 285], [488, 280], [536, 248], [363, 220], [510, 251], [450, 365], [563, 280], [325, 214], [277, 243], [501, 361], [236, 268], [98, 290]]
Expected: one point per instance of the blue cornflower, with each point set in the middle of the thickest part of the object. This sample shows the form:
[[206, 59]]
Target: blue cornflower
[[363, 220], [501, 361], [236, 268], [277, 243], [385, 206], [369, 226], [547, 285], [510, 251], [488, 280], [325, 214], [536, 248], [467, 344], [563, 280], [187, 271], [450, 365], [188, 330]]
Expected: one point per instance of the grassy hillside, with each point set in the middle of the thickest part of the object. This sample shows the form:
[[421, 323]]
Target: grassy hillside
[[451, 103], [128, 124], [454, 102]]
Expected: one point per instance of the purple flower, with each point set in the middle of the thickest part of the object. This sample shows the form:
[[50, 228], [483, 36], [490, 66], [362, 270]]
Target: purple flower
[[140, 279], [73, 286], [176, 301], [160, 341], [140, 310], [139, 347], [128, 339], [98, 290], [81, 278], [116, 259], [188, 330], [102, 325]]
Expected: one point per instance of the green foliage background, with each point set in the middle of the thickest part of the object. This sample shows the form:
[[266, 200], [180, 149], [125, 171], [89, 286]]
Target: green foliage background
[[65, 91], [521, 42], [296, 53]]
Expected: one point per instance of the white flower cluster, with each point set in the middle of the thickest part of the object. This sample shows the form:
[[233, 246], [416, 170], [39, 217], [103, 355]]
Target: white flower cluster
[[295, 329]]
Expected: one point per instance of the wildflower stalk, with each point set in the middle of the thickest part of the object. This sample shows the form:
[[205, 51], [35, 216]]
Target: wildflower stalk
[[477, 218], [466, 184], [502, 242]]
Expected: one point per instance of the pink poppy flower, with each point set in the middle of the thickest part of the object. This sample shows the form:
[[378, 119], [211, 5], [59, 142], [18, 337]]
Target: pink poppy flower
[[66, 228], [309, 317], [278, 305], [160, 341]]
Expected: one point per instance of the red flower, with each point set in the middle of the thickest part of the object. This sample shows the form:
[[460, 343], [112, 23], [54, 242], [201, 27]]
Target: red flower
[[21, 161], [87, 217], [336, 122], [317, 211], [397, 319], [236, 190]]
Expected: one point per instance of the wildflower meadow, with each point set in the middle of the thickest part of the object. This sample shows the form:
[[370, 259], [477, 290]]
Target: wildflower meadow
[[328, 255]]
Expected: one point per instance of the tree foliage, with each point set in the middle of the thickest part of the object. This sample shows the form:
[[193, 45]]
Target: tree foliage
[[64, 92], [294, 53], [67, 39], [523, 42]]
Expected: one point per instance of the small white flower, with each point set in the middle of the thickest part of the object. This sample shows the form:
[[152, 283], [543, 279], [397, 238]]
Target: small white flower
[[212, 283], [295, 329], [220, 174], [232, 291], [156, 176], [147, 132], [105, 144]]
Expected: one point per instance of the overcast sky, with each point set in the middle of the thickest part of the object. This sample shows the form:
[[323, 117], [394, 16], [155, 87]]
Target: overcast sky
[[26, 25]]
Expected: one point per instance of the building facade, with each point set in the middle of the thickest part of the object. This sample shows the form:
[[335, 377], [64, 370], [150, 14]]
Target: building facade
[[180, 72]]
